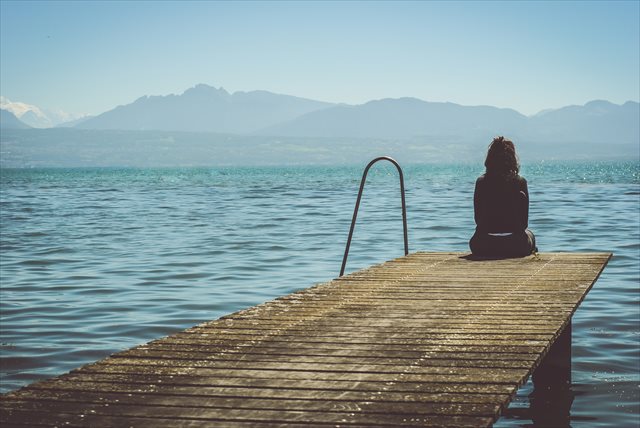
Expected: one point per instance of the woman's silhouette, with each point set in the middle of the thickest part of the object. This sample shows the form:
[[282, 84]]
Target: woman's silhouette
[[501, 206]]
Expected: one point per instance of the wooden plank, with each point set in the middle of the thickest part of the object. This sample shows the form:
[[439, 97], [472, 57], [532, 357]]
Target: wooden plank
[[430, 339]]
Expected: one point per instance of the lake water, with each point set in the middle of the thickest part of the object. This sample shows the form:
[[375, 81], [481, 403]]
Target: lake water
[[98, 260]]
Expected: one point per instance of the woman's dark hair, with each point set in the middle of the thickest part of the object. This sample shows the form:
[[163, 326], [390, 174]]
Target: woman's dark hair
[[502, 160]]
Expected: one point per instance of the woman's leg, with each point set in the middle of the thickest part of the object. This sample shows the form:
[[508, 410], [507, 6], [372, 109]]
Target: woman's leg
[[485, 245], [519, 244], [522, 244], [480, 245]]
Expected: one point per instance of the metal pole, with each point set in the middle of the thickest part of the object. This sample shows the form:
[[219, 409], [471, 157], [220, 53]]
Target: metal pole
[[355, 211]]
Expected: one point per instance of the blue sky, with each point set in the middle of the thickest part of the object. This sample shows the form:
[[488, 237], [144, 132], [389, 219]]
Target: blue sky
[[88, 57]]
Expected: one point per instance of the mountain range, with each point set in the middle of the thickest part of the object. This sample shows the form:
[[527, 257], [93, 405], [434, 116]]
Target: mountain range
[[207, 109], [204, 108]]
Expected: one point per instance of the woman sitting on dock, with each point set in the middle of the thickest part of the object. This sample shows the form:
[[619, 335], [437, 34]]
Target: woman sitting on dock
[[501, 206]]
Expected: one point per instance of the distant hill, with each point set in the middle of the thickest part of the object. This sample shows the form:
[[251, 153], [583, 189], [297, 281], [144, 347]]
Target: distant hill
[[205, 109], [9, 120], [595, 122], [402, 118]]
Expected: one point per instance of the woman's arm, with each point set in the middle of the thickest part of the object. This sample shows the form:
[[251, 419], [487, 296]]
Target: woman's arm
[[524, 205], [478, 204]]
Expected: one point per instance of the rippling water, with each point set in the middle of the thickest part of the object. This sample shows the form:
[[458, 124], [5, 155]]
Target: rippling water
[[98, 260]]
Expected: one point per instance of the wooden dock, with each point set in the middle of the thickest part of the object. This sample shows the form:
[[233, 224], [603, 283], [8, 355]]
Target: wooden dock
[[430, 339]]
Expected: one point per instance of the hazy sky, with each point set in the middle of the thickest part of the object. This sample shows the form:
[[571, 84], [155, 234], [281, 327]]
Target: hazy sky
[[88, 57]]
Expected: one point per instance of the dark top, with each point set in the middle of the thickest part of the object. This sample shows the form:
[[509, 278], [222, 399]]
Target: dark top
[[501, 205]]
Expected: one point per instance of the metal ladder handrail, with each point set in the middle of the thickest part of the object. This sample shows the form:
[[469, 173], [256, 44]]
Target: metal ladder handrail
[[355, 211]]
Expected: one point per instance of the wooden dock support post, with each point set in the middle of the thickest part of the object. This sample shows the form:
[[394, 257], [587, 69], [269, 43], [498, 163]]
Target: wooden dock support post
[[552, 397]]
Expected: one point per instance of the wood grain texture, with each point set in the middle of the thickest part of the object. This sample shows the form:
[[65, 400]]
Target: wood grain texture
[[430, 340]]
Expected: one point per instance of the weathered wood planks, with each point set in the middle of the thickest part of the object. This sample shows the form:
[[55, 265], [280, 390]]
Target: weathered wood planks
[[430, 339]]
